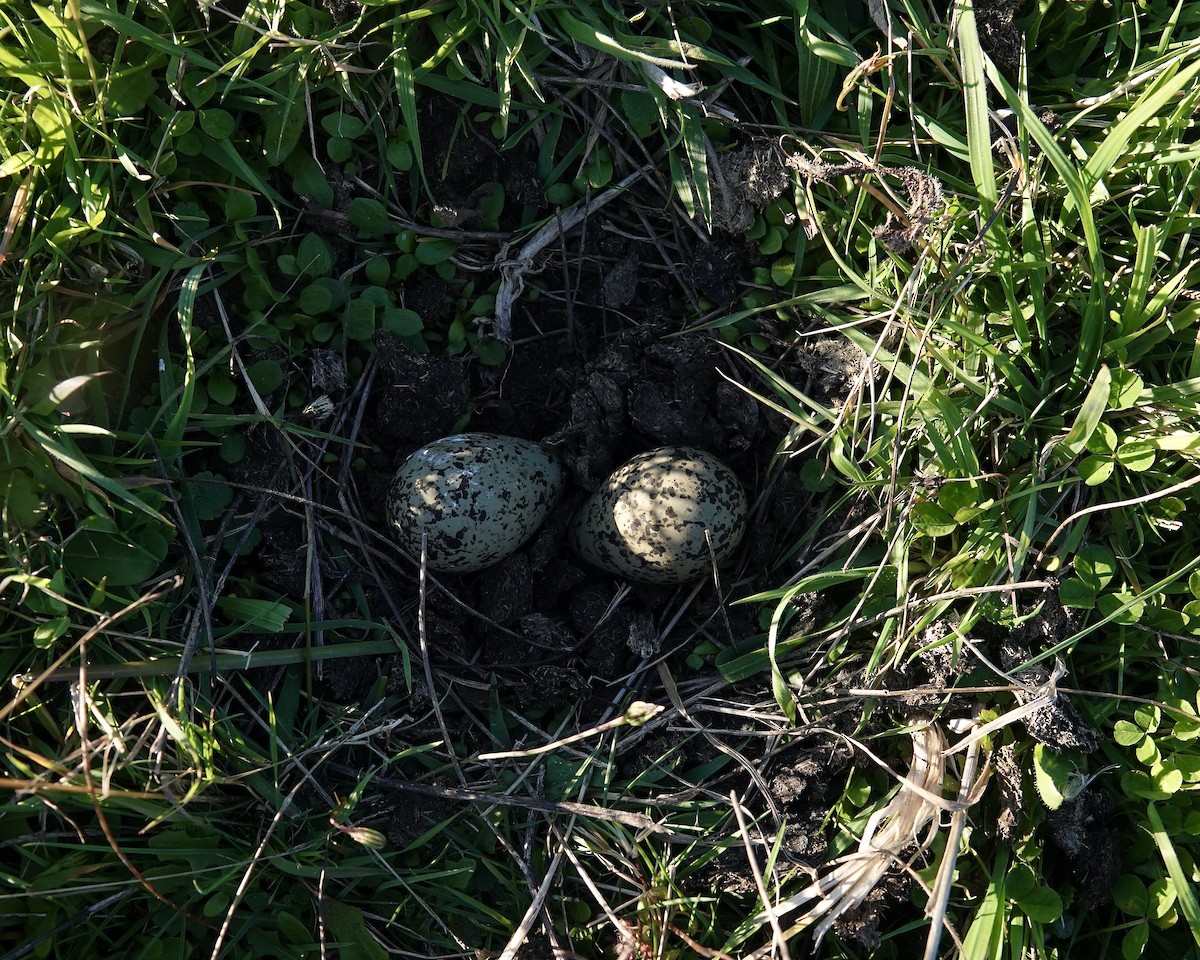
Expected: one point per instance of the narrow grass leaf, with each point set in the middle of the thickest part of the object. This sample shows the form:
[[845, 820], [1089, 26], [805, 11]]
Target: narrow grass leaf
[[172, 441], [406, 94], [1065, 167], [1139, 282], [623, 46], [1185, 895], [979, 139], [1164, 91], [62, 449], [269, 616], [285, 122], [984, 939], [1090, 412], [814, 79], [683, 186], [697, 154]]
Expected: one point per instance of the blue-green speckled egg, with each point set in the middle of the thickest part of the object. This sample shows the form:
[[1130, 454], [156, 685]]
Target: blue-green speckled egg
[[476, 497]]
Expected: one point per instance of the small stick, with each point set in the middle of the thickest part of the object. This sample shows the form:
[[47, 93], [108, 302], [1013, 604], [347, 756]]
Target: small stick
[[638, 713], [940, 896], [772, 916]]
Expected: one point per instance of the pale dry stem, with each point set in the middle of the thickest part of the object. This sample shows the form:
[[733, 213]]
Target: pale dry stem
[[890, 832]]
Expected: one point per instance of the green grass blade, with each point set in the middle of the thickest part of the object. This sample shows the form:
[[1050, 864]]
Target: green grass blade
[[1090, 412], [1165, 90], [172, 440], [1072, 177], [979, 137], [406, 95], [697, 154], [1094, 317], [1185, 895]]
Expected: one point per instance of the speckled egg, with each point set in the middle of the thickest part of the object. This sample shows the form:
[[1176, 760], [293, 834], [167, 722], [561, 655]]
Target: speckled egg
[[647, 520], [477, 497]]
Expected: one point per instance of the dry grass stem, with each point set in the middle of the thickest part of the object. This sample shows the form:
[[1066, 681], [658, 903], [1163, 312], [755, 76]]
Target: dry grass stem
[[889, 832]]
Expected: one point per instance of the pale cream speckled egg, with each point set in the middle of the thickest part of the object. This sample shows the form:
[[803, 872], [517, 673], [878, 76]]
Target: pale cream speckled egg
[[475, 497], [648, 520]]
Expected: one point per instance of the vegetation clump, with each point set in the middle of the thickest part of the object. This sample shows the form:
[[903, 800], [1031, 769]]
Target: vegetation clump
[[924, 276]]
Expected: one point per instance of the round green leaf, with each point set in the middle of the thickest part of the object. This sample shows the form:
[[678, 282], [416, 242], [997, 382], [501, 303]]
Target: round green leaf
[[1127, 734], [1129, 894], [399, 155], [240, 205], [1041, 905], [401, 322], [1020, 881], [1126, 387], [209, 495], [1167, 779], [217, 123], [600, 170], [431, 250], [560, 194], [190, 144], [641, 111], [181, 123], [45, 633], [368, 214], [1103, 440], [1076, 594], [292, 930], [772, 243], [379, 296], [932, 520], [1136, 455], [782, 270], [1186, 730], [1133, 944], [492, 205], [342, 125], [215, 905], [1052, 775], [339, 149], [360, 319], [314, 256], [221, 389], [964, 498], [233, 447], [1136, 783], [1160, 897], [1095, 565], [379, 270], [1147, 716], [314, 299], [491, 353], [1147, 752], [1096, 469], [1123, 606], [266, 375], [123, 559], [21, 495]]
